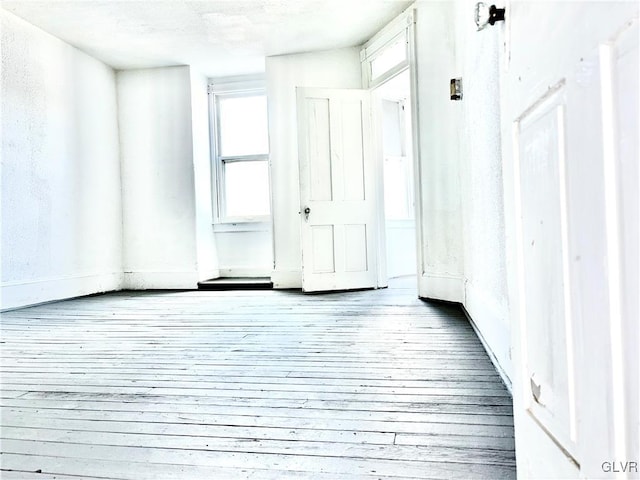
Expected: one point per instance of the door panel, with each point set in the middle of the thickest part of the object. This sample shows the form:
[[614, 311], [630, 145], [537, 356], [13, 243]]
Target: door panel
[[337, 190], [352, 180], [322, 239], [547, 323], [319, 150], [571, 205], [355, 237]]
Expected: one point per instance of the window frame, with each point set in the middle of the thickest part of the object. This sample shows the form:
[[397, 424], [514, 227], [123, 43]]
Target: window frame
[[236, 87], [398, 31]]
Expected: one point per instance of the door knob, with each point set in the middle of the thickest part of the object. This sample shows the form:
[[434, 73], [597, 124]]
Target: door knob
[[307, 211]]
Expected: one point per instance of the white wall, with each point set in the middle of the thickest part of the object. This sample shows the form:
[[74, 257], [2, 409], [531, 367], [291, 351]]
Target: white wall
[[156, 145], [61, 208], [333, 69], [479, 62], [206, 253], [439, 166], [461, 169], [245, 252]]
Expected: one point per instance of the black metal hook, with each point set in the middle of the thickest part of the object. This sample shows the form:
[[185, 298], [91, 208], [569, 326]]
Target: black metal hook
[[496, 14], [488, 15]]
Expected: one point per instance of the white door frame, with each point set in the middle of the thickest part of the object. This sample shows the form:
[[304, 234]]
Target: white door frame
[[403, 25]]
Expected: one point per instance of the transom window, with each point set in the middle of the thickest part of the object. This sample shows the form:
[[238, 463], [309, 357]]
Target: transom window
[[240, 153], [389, 58], [387, 53]]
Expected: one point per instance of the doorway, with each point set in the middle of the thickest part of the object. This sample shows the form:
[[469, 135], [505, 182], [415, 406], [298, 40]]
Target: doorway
[[393, 102]]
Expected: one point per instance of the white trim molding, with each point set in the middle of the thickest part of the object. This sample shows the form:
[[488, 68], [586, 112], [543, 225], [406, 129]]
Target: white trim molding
[[490, 320], [26, 293], [159, 280], [283, 279], [208, 275], [449, 288]]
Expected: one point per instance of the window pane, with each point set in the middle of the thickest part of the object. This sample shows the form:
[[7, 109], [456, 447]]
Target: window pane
[[391, 56], [247, 188], [243, 126]]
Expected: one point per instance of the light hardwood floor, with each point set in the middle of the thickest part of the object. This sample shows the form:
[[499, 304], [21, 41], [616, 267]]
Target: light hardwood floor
[[260, 385]]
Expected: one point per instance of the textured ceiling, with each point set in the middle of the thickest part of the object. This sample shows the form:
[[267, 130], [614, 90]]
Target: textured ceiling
[[218, 37]]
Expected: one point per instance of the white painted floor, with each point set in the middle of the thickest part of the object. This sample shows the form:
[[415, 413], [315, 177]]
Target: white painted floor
[[258, 384]]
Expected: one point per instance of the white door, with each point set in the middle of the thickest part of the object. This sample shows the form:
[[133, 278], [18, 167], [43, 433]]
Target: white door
[[570, 108], [338, 191]]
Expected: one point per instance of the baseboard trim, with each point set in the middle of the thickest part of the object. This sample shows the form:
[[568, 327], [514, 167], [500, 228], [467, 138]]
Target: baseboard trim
[[33, 292], [208, 275], [286, 279], [449, 288], [161, 280], [489, 322]]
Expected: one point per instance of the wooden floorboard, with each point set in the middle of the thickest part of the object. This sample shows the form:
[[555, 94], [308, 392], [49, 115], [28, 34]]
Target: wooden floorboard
[[259, 385]]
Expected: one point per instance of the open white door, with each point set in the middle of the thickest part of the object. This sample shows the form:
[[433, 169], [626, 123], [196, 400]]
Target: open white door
[[339, 207], [571, 194]]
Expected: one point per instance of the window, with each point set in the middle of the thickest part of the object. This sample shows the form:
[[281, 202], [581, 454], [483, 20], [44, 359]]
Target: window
[[389, 57], [388, 52], [240, 152]]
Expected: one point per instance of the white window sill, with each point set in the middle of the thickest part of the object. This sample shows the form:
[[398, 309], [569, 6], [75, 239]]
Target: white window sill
[[241, 226]]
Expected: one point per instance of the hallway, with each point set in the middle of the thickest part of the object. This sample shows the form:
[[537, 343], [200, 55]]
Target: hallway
[[261, 384]]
